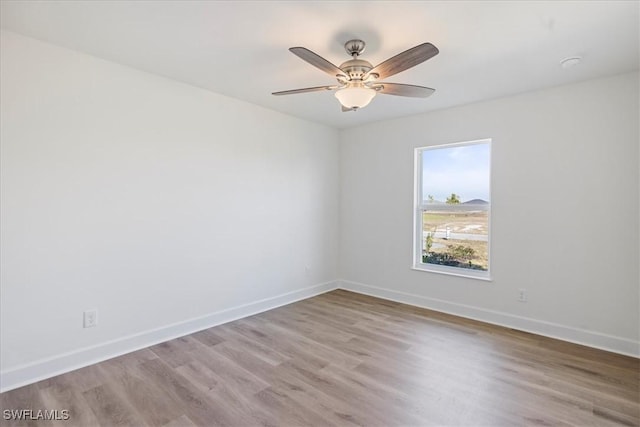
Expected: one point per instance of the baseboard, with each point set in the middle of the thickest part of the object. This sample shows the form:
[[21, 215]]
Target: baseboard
[[552, 330], [59, 364]]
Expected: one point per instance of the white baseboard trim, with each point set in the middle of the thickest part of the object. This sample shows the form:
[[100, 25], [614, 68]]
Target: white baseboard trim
[[552, 330], [59, 364]]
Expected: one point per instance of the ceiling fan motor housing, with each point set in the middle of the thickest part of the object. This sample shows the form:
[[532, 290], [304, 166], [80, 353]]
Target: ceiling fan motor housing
[[356, 68]]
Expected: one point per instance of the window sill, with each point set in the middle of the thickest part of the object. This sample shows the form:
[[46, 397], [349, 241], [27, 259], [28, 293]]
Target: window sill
[[453, 271]]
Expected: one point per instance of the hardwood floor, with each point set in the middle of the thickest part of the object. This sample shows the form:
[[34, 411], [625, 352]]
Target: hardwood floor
[[345, 359]]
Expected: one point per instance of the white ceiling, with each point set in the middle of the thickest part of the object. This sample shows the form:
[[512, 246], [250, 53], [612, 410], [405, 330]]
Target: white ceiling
[[488, 49]]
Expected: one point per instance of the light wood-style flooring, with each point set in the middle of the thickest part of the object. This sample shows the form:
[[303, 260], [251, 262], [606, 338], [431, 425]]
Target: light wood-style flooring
[[345, 359]]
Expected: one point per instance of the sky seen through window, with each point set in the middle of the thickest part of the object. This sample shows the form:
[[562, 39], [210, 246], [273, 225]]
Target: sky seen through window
[[463, 170]]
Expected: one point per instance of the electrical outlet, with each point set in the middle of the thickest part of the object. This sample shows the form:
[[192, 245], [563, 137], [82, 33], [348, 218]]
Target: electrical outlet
[[90, 318], [522, 295]]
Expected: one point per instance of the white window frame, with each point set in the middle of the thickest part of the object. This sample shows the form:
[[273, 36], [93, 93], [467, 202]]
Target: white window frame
[[419, 207]]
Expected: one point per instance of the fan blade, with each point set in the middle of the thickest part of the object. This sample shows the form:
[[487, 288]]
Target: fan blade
[[345, 109], [405, 60], [317, 61], [403, 90], [306, 89]]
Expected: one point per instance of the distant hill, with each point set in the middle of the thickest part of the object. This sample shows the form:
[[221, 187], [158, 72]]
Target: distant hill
[[476, 202]]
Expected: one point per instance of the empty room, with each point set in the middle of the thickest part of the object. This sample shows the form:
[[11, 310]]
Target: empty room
[[320, 213]]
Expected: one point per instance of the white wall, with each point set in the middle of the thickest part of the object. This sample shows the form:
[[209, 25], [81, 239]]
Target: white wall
[[153, 201], [565, 218]]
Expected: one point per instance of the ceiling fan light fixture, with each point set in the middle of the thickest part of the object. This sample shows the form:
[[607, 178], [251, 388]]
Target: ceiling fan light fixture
[[355, 97]]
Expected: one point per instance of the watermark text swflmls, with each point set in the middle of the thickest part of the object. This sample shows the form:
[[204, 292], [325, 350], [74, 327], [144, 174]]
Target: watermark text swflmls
[[36, 414]]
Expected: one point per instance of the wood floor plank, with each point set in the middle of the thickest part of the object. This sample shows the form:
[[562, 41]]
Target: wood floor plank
[[110, 408], [199, 375], [228, 372], [26, 398], [289, 412], [239, 402], [317, 345], [176, 352], [150, 404], [277, 342], [70, 399], [82, 379], [332, 406], [208, 337], [345, 359], [431, 406], [252, 346], [182, 421], [201, 409]]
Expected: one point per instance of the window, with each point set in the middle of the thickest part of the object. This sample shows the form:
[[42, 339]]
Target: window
[[453, 208]]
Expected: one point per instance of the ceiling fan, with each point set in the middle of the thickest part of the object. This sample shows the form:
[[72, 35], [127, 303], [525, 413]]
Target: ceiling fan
[[359, 81]]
